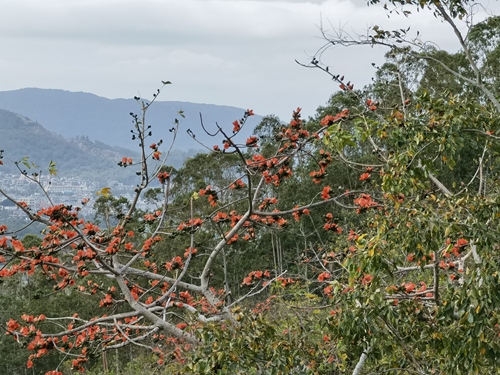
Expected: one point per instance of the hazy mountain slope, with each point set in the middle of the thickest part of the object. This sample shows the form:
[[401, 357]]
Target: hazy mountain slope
[[72, 114], [20, 137]]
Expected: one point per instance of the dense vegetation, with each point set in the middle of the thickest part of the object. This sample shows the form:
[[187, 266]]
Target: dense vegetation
[[364, 240]]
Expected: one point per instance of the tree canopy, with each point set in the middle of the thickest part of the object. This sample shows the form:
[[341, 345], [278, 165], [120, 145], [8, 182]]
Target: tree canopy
[[363, 240]]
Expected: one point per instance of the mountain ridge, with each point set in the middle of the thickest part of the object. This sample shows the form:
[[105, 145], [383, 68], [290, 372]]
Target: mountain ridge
[[22, 137], [73, 114]]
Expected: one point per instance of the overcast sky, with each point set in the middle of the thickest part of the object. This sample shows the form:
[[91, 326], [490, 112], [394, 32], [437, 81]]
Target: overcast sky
[[228, 52]]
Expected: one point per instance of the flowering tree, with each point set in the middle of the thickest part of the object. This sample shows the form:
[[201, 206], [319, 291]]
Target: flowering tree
[[381, 222], [160, 302]]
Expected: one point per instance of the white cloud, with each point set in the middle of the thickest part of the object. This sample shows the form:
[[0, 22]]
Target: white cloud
[[234, 52]]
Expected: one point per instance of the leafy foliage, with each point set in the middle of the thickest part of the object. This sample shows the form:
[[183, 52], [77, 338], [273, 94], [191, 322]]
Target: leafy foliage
[[363, 238]]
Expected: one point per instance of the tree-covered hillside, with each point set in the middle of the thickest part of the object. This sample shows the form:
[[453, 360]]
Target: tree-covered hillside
[[23, 137]]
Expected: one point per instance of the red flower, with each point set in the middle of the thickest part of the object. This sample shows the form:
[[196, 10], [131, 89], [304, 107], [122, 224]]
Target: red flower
[[252, 141], [162, 177], [423, 287], [106, 301], [326, 192], [238, 184], [236, 126], [323, 276], [365, 201], [23, 204], [353, 236], [365, 176], [328, 291], [17, 245], [409, 287], [333, 227], [232, 239], [327, 120], [12, 325], [367, 279], [190, 251], [181, 325]]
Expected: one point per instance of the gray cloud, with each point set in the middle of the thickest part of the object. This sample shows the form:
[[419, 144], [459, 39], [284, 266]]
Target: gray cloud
[[228, 52]]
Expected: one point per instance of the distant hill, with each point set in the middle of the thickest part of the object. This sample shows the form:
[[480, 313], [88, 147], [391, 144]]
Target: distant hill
[[73, 114], [20, 137]]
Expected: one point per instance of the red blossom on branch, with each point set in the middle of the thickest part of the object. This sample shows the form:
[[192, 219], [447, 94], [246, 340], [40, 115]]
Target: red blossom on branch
[[365, 176], [364, 201], [323, 276], [252, 141], [236, 126], [325, 194]]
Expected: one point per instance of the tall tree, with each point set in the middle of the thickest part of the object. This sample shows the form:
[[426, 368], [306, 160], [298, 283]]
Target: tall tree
[[395, 271]]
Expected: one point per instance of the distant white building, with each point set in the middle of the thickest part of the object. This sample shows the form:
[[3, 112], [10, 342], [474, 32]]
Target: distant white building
[[30, 201], [66, 188]]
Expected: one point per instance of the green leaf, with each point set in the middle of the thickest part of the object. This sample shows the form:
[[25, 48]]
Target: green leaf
[[470, 318], [25, 162], [105, 192], [52, 168]]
